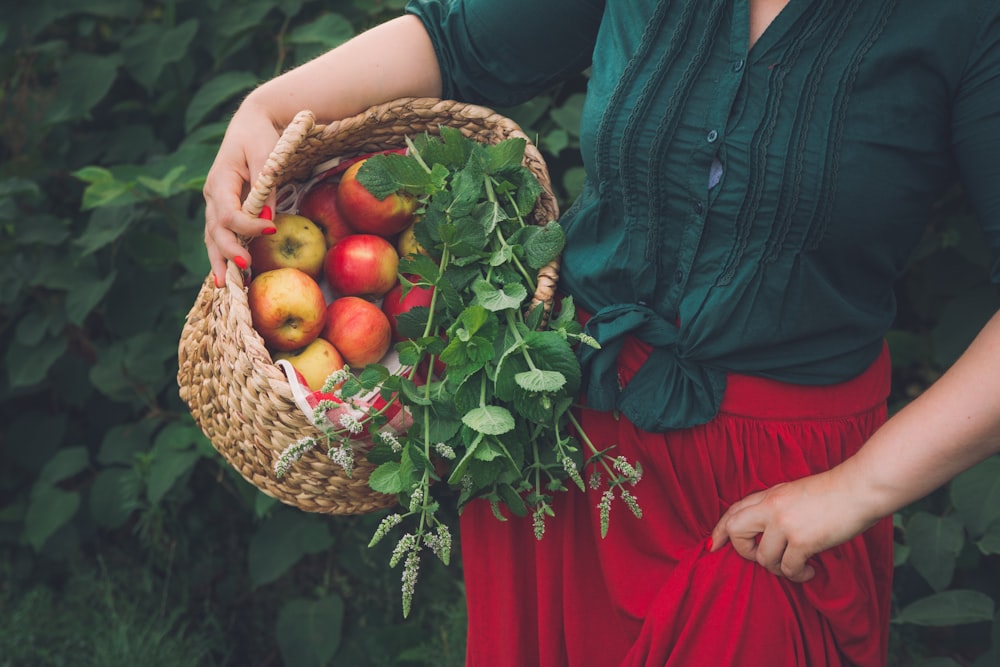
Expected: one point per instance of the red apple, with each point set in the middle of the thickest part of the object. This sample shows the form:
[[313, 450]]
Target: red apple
[[319, 204], [314, 362], [298, 243], [395, 304], [368, 214], [362, 265], [358, 329], [287, 308]]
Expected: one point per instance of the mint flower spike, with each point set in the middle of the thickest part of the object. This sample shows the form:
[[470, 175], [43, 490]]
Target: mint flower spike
[[351, 423], [343, 456], [389, 438], [411, 569], [445, 451], [538, 523], [439, 543], [632, 503], [604, 507], [385, 525], [335, 379], [292, 454]]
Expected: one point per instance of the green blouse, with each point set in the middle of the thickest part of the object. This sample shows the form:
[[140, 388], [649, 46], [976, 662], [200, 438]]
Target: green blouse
[[745, 210]]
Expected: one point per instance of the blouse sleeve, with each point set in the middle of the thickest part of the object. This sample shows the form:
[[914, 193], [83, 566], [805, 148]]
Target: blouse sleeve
[[501, 53], [976, 130]]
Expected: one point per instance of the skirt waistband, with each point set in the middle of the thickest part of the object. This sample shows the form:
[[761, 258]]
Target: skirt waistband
[[765, 398]]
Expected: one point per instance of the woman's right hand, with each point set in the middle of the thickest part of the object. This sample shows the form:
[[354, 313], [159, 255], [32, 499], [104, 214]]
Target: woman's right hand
[[248, 142]]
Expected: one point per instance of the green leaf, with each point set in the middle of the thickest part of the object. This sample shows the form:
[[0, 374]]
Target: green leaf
[[85, 295], [976, 495], [50, 508], [66, 463], [489, 419], [989, 544], [956, 607], [41, 229], [495, 300], [539, 380], [543, 244], [281, 541], [104, 189], [328, 31], [106, 225], [309, 631], [84, 80], [151, 47], [214, 93], [168, 467], [392, 477], [27, 366], [935, 544], [385, 174], [506, 155], [110, 501]]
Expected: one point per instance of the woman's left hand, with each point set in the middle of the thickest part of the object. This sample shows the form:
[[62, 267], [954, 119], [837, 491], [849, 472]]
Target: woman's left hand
[[784, 526]]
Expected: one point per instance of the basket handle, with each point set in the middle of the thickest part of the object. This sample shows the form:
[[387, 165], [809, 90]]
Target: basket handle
[[289, 141]]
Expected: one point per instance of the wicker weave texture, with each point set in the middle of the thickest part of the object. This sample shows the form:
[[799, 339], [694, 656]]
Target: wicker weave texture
[[237, 395]]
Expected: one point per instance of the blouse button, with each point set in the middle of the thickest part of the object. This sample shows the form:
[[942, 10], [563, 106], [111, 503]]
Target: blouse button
[[712, 136], [678, 276], [698, 207], [738, 65]]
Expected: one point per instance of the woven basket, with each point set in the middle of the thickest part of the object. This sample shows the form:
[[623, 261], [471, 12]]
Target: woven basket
[[237, 395]]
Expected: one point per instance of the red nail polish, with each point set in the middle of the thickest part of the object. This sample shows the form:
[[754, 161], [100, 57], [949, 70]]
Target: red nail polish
[[267, 231], [708, 544], [266, 214], [215, 279], [240, 262]]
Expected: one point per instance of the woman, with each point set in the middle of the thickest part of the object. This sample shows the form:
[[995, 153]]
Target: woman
[[758, 172]]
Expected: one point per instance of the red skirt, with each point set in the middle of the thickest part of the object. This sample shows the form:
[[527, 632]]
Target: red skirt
[[650, 593]]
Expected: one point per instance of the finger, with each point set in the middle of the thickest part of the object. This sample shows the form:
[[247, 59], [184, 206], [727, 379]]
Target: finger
[[770, 551], [722, 532], [795, 565]]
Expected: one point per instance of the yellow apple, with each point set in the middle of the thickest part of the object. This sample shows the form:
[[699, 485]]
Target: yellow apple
[[316, 361], [407, 244], [299, 243], [287, 308]]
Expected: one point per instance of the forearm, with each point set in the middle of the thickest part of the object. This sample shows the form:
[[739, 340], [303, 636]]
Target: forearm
[[947, 429], [391, 60]]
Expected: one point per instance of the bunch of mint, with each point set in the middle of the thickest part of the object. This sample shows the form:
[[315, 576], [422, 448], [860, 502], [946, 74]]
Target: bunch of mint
[[496, 422]]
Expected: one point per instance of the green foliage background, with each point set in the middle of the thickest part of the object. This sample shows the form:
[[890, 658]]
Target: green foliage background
[[124, 539]]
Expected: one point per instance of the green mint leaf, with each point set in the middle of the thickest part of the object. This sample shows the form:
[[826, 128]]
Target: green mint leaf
[[542, 244], [489, 419], [506, 155], [384, 174], [550, 351], [419, 265], [488, 451], [491, 298], [391, 477], [538, 380], [412, 323], [501, 256], [512, 500]]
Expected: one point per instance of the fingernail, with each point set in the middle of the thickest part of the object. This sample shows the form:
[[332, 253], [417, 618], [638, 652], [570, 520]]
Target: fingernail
[[708, 544], [215, 279], [265, 213], [267, 231], [240, 262]]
